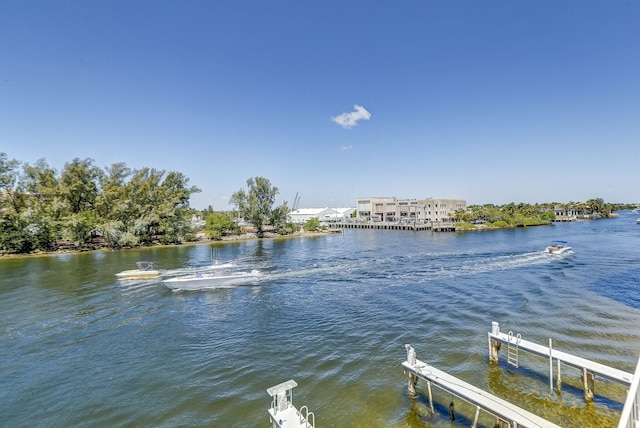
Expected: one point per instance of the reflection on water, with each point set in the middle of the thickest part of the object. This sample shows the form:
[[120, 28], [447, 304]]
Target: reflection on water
[[82, 349]]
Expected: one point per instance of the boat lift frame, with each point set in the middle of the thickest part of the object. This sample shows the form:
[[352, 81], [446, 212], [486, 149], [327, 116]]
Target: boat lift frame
[[588, 368], [502, 410], [507, 413]]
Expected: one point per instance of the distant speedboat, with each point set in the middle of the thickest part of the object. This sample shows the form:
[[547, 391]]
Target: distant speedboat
[[638, 220], [145, 270], [219, 278], [558, 247]]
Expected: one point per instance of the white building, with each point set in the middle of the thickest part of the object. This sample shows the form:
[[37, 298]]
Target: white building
[[302, 215], [400, 210], [197, 222]]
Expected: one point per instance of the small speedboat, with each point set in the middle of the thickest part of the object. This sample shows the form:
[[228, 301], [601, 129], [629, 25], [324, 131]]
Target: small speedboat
[[145, 270], [558, 247], [206, 281]]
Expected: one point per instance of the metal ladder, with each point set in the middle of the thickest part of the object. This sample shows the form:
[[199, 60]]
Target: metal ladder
[[512, 349]]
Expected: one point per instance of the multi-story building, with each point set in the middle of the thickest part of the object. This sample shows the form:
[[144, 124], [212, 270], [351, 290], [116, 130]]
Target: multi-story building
[[401, 210]]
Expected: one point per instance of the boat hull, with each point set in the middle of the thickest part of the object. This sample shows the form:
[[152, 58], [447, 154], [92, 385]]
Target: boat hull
[[210, 281], [145, 270], [137, 274]]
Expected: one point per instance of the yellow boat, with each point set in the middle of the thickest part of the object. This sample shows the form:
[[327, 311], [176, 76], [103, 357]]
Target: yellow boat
[[145, 270]]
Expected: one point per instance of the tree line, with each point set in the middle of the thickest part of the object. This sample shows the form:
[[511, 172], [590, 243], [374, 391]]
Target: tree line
[[41, 208], [513, 215], [255, 207], [83, 206]]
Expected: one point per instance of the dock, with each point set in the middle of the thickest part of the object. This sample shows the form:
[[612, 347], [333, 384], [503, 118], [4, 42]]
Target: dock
[[502, 410], [589, 368], [507, 414], [282, 413], [417, 226]]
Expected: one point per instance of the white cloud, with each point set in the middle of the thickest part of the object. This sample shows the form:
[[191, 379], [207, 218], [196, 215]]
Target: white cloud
[[347, 120], [349, 147]]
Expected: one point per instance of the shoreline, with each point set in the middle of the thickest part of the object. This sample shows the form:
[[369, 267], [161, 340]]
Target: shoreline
[[200, 239], [248, 236]]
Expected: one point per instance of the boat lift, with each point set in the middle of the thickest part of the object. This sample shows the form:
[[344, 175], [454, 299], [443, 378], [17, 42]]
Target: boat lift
[[283, 413], [505, 413], [588, 368]]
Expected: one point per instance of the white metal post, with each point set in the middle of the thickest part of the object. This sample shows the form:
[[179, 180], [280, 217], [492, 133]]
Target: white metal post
[[550, 366]]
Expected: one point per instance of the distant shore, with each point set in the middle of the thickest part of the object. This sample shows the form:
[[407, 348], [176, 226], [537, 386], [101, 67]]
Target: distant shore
[[272, 235]]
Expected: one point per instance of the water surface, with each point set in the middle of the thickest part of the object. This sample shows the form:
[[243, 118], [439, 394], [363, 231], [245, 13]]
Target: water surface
[[78, 348]]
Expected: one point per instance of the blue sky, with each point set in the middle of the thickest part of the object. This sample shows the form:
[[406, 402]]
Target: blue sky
[[488, 101]]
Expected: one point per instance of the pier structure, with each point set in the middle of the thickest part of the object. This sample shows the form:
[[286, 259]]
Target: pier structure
[[505, 413], [282, 413], [588, 368], [416, 226]]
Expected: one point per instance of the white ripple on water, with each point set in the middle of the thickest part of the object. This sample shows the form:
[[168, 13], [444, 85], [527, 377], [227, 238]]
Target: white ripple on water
[[428, 268], [135, 287], [435, 267]]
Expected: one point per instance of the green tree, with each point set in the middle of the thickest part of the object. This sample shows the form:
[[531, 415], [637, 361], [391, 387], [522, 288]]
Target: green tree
[[597, 205], [46, 207], [41, 229], [116, 235], [111, 202], [548, 216], [139, 216], [14, 237], [255, 204], [10, 195], [147, 208], [173, 208], [312, 225], [217, 223], [124, 207], [280, 220], [79, 184], [41, 180], [81, 227]]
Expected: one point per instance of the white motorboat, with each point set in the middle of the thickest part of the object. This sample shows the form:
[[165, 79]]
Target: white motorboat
[[218, 278], [225, 265], [558, 247], [145, 270]]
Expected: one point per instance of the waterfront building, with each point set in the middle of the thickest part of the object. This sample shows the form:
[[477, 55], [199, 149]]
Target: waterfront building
[[575, 211], [386, 209], [302, 215]]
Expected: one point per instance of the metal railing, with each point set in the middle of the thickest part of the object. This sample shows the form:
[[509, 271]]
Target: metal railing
[[630, 417]]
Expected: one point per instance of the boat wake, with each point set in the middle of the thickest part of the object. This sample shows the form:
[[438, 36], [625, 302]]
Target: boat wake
[[302, 272], [432, 267], [401, 269]]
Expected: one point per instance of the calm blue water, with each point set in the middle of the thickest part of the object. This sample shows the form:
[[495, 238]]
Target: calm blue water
[[78, 348]]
